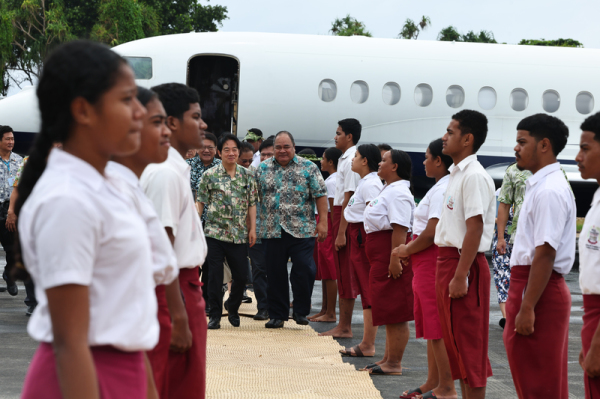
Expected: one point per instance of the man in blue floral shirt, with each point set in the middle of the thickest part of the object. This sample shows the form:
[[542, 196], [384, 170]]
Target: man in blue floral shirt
[[203, 161], [289, 187]]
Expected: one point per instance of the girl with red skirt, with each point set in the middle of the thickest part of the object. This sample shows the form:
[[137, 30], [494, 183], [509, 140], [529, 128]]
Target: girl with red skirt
[[423, 253], [365, 163], [326, 271], [388, 221]]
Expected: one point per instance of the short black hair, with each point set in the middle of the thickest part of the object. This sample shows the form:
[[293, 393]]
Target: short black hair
[[541, 126], [225, 138], [176, 98], [372, 153], [384, 147], [266, 144], [333, 154], [5, 129], [246, 147], [286, 133], [145, 95], [351, 126], [475, 123], [211, 137], [307, 151], [592, 124], [435, 149]]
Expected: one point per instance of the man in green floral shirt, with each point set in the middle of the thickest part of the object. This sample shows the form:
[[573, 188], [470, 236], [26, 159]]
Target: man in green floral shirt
[[228, 191]]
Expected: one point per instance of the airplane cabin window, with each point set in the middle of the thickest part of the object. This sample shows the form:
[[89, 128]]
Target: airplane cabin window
[[455, 96], [327, 90], [359, 92], [519, 100], [142, 67], [487, 98], [423, 95], [551, 101], [584, 102], [391, 93]]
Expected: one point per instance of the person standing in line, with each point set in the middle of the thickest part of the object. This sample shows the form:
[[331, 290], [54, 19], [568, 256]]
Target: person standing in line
[[8, 171], [423, 254], [347, 135], [229, 193], [463, 234], [588, 160], [538, 308], [97, 309], [388, 223], [289, 186], [383, 148], [365, 163], [255, 137], [326, 271], [167, 186]]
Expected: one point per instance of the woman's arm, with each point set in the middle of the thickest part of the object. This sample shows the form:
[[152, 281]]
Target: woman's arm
[[423, 241], [69, 308], [398, 238]]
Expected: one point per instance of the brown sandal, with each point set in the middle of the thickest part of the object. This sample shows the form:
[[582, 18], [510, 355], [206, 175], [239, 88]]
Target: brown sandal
[[353, 352]]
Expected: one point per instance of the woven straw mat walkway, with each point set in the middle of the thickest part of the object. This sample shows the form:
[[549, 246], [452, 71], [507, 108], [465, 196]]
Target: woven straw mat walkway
[[292, 362]]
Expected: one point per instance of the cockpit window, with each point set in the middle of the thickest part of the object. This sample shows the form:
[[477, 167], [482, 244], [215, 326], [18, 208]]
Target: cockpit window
[[142, 66]]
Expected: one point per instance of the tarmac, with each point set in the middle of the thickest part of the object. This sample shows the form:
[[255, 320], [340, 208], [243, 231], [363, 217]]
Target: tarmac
[[17, 348]]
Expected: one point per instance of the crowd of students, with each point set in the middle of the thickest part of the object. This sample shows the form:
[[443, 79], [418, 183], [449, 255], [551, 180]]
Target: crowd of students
[[112, 235]]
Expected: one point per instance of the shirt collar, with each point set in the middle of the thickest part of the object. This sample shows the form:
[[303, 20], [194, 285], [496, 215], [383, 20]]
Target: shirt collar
[[400, 183], [221, 169], [443, 180], [349, 151], [371, 175], [124, 172], [293, 160], [596, 198], [177, 160], [462, 165], [66, 163], [540, 174]]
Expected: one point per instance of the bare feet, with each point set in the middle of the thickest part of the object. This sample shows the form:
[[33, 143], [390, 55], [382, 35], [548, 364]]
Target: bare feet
[[321, 313], [337, 332], [324, 318]]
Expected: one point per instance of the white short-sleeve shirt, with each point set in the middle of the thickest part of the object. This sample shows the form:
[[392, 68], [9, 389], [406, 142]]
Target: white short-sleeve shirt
[[78, 227], [430, 206], [548, 215], [367, 190], [330, 184], [163, 255], [167, 185], [470, 192], [255, 159], [347, 180], [395, 204], [589, 250]]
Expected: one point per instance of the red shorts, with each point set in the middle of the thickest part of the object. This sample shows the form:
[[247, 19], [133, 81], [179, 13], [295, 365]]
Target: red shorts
[[345, 275], [357, 241], [591, 317], [121, 375], [392, 299], [465, 321], [427, 318], [325, 262], [539, 362]]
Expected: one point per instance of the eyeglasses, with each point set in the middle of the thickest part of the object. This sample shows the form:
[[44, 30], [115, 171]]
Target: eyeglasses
[[210, 148]]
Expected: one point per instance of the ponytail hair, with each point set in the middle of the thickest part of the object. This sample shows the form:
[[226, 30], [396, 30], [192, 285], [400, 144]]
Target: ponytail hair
[[435, 149], [372, 153], [404, 169], [333, 154], [144, 95]]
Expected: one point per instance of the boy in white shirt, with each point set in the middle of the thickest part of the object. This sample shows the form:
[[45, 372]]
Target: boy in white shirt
[[536, 334]]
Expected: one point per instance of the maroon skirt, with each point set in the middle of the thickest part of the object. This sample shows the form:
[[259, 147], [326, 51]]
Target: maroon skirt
[[427, 318], [345, 275], [357, 240], [392, 300], [591, 318], [538, 362], [121, 375], [325, 262], [159, 356], [465, 321]]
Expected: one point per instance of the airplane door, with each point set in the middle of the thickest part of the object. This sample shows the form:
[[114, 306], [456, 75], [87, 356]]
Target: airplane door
[[216, 77]]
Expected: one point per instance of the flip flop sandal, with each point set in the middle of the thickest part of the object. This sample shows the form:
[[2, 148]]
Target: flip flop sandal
[[368, 367], [428, 395], [353, 352], [412, 393], [378, 371]]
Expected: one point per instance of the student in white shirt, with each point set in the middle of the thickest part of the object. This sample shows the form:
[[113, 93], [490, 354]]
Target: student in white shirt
[[326, 270], [347, 135], [388, 221], [365, 163], [588, 160], [536, 334], [423, 254], [167, 185], [82, 239], [463, 234]]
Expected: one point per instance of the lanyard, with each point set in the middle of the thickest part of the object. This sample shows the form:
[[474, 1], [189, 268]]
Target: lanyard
[[7, 163]]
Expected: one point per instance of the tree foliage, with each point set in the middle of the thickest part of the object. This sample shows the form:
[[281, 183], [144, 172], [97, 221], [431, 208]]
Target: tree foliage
[[554, 43], [451, 34], [348, 26], [411, 30]]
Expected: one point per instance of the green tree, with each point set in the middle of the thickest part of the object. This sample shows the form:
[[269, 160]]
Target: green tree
[[449, 34], [348, 26], [121, 21], [411, 30], [554, 43], [183, 16]]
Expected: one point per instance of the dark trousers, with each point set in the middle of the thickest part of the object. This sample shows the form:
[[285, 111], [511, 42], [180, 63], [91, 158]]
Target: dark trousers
[[7, 239], [237, 259], [302, 276], [30, 299], [259, 274]]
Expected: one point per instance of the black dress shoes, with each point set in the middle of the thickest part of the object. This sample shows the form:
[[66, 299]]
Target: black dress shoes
[[12, 289], [214, 323], [261, 315], [299, 319], [234, 319], [274, 323]]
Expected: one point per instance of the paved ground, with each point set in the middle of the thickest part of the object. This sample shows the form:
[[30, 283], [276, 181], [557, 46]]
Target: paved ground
[[16, 349]]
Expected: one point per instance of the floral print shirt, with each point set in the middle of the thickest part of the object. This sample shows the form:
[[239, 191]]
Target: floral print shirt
[[287, 197], [19, 172], [196, 173], [227, 201], [8, 173]]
